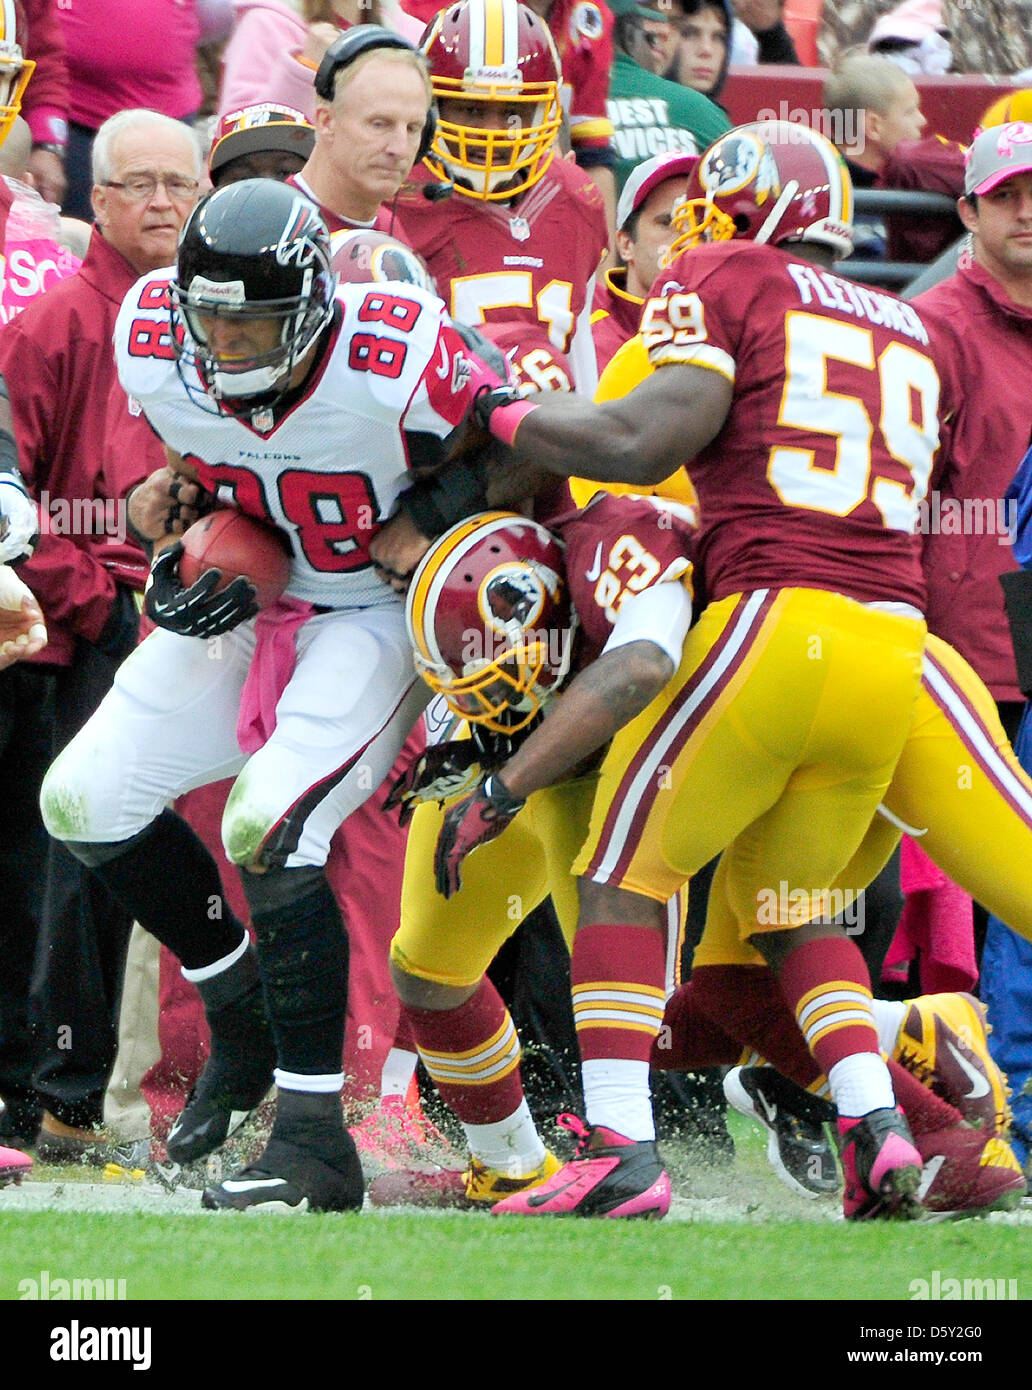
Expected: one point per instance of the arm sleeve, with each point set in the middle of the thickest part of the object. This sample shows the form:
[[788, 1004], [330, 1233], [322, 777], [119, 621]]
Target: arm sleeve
[[661, 614], [47, 95]]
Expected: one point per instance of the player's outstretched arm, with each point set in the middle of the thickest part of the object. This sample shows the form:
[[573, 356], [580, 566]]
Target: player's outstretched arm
[[607, 695], [641, 438]]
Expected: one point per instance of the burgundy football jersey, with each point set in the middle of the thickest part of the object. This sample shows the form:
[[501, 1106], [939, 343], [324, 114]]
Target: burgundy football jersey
[[617, 546], [816, 478], [530, 260]]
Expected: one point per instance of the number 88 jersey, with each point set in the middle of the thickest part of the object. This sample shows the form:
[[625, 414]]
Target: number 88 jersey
[[329, 470]]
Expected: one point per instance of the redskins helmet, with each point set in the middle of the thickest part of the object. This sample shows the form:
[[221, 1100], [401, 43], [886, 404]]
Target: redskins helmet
[[15, 69], [493, 51], [490, 620], [361, 255], [257, 249], [771, 181]]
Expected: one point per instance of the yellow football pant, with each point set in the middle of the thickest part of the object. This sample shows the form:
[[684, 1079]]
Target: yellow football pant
[[775, 741]]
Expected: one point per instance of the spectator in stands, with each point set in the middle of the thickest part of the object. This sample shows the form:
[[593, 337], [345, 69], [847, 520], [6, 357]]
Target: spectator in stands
[[766, 40], [652, 115], [80, 448], [914, 37], [703, 53], [876, 121], [986, 309], [275, 47], [642, 235], [115, 63]]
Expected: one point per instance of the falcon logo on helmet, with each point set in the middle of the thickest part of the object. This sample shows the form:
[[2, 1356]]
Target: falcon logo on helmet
[[254, 250], [490, 619], [486, 54], [771, 181], [15, 68]]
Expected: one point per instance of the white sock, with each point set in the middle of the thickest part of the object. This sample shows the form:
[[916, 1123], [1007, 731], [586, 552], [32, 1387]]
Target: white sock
[[207, 972], [617, 1094], [301, 1081], [861, 1083], [888, 1019], [398, 1071], [511, 1146]]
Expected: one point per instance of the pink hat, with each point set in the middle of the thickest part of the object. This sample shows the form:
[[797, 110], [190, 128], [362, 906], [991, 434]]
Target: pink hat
[[997, 153], [913, 20], [646, 176]]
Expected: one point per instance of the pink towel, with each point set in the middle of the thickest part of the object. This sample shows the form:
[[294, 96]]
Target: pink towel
[[271, 669], [936, 926]]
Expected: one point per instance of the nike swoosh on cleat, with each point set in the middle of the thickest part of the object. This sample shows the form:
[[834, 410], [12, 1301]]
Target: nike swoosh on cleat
[[252, 1184], [928, 1175], [979, 1082], [539, 1199], [771, 1111]]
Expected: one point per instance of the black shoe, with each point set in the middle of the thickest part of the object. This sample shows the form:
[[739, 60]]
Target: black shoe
[[19, 1124], [799, 1145], [235, 1080], [289, 1178]]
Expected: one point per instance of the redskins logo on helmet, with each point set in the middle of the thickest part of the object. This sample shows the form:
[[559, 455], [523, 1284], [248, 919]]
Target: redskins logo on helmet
[[15, 69], [771, 181], [490, 619], [361, 255], [496, 78]]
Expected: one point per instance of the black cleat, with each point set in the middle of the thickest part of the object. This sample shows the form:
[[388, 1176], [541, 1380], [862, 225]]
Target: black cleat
[[235, 1080], [799, 1146], [289, 1178]]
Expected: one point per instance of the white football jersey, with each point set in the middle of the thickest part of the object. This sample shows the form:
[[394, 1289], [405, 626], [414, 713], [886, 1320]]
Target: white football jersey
[[329, 473]]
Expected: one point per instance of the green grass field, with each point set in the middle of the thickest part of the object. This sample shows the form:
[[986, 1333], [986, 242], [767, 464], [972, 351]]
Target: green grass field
[[734, 1234]]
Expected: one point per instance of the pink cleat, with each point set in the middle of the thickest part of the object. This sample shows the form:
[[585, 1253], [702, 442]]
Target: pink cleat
[[882, 1167], [609, 1176], [13, 1165]]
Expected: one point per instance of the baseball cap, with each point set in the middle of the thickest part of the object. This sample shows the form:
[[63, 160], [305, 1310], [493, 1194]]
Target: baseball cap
[[640, 8], [997, 153], [645, 176], [265, 126]]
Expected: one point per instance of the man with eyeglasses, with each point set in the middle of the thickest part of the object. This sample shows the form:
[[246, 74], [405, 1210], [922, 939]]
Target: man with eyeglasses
[[82, 446], [651, 115]]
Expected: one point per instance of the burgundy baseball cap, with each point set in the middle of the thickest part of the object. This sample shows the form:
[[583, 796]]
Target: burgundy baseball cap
[[646, 176], [261, 127], [995, 154]]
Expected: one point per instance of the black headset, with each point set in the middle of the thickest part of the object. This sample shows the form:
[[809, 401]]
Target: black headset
[[362, 38]]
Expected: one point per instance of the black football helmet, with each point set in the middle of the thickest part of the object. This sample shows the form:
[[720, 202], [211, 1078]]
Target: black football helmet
[[257, 249]]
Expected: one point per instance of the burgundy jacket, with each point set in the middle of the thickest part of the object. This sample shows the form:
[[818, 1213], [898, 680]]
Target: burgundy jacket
[[991, 339], [58, 362]]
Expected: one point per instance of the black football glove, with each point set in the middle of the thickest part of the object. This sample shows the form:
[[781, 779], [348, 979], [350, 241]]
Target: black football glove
[[444, 771], [197, 611], [470, 823]]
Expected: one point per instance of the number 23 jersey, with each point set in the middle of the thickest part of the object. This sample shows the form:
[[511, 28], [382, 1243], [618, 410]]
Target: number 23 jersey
[[329, 470]]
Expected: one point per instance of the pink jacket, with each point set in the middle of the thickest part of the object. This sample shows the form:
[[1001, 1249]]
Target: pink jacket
[[260, 62]]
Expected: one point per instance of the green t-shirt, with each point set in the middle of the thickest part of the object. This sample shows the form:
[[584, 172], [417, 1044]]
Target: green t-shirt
[[653, 116]]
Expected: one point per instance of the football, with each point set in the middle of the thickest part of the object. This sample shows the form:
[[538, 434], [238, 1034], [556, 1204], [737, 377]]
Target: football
[[229, 541]]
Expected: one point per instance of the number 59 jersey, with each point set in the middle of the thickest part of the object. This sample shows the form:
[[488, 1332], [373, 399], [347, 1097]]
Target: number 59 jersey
[[818, 475], [328, 470]]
